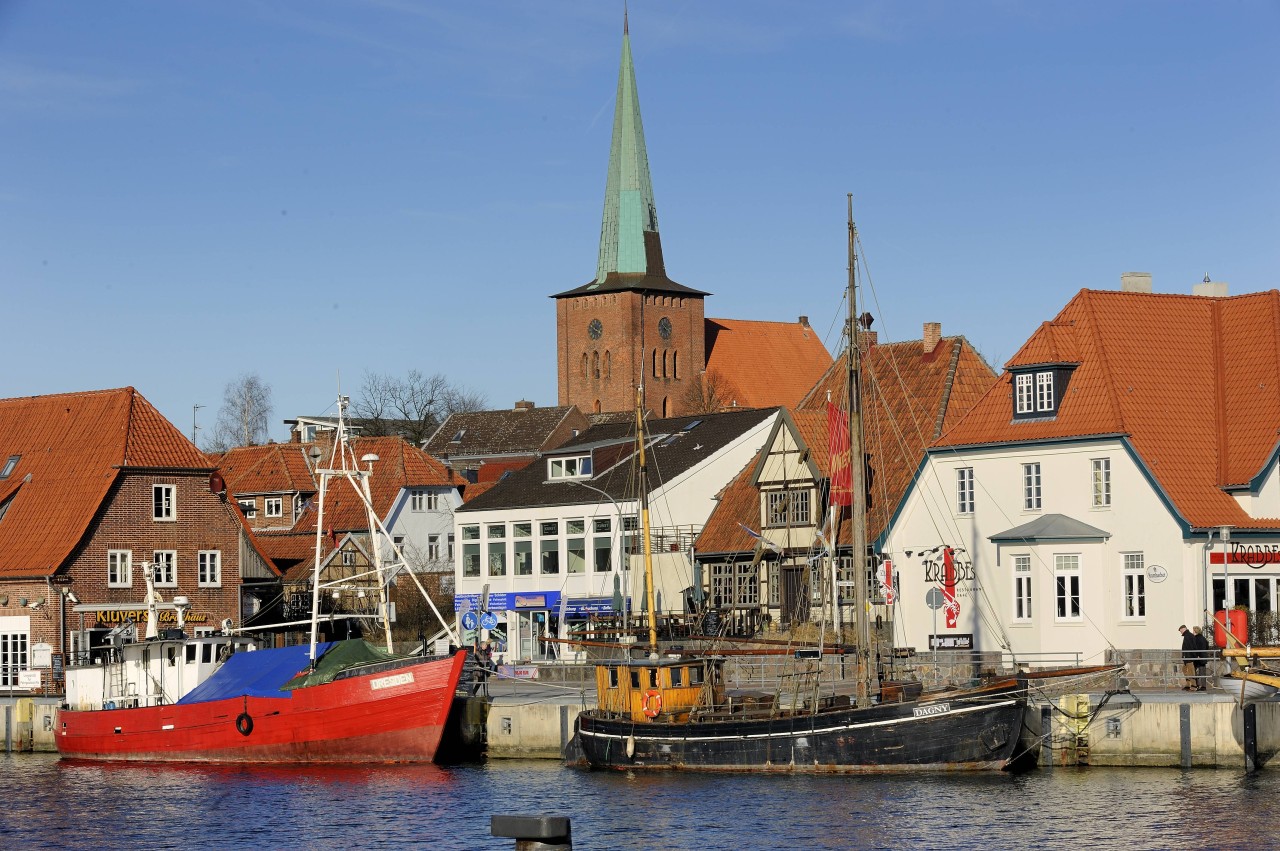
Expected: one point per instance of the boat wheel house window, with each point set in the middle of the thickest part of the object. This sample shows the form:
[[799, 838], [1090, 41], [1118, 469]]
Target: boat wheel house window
[[162, 502]]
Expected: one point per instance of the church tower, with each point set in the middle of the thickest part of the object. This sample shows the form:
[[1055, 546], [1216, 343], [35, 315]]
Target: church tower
[[632, 323]]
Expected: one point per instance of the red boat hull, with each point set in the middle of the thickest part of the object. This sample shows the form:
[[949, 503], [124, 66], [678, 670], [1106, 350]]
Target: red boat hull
[[390, 716]]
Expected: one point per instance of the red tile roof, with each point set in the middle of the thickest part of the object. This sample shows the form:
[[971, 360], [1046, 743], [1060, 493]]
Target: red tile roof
[[273, 468], [910, 396], [1193, 381], [767, 364], [71, 447]]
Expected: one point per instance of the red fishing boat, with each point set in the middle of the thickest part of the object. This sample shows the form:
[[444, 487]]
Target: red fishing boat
[[216, 699]]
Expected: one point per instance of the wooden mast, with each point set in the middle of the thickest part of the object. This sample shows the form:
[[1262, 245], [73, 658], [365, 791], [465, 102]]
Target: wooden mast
[[644, 524], [868, 683]]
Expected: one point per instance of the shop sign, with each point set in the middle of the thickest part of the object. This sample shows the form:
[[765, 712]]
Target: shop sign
[[519, 672], [1250, 555], [1157, 574], [960, 641], [115, 617], [590, 606], [29, 679]]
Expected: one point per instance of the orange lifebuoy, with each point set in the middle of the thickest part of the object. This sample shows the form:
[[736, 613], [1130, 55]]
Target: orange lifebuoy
[[652, 703]]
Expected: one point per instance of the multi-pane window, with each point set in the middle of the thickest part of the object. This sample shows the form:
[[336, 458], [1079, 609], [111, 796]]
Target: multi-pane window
[[119, 568], [417, 501], [433, 548], [1101, 482], [248, 507], [1066, 575], [1025, 397], [13, 652], [1022, 588], [569, 468], [1044, 391], [348, 558], [165, 567], [1031, 487], [787, 508], [449, 544], [775, 584], [274, 506], [162, 502], [734, 585], [1135, 586], [964, 490], [209, 568]]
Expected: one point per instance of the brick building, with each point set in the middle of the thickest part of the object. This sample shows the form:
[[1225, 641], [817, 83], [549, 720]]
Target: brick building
[[94, 488], [632, 324]]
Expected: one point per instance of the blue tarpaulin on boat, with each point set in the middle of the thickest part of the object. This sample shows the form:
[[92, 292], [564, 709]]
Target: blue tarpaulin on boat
[[259, 673]]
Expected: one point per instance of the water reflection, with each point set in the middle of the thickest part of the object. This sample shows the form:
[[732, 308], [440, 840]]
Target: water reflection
[[74, 805]]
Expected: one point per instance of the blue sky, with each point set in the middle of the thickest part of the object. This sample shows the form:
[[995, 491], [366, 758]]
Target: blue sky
[[195, 190]]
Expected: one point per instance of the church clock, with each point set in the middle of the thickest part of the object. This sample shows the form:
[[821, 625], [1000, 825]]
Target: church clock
[[595, 328], [664, 328]]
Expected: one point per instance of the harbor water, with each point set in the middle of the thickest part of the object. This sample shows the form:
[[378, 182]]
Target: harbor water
[[54, 804]]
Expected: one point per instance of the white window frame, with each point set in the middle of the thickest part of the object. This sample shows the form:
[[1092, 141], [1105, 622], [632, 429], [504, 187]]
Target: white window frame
[[120, 563], [1025, 393], [15, 648], [417, 501], [1067, 605], [964, 490], [164, 503], [209, 568], [248, 507], [1022, 585], [276, 502], [1044, 391], [167, 562], [348, 558], [1133, 590], [433, 548], [1100, 469], [1032, 487], [569, 467]]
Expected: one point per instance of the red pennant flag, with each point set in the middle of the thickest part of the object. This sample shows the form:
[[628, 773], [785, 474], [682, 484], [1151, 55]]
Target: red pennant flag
[[333, 538], [838, 448], [950, 605]]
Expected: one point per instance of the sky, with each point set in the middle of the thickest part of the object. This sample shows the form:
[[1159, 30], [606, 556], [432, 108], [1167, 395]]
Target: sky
[[313, 191]]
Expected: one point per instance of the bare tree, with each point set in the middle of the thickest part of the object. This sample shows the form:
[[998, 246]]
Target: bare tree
[[245, 413], [411, 407], [712, 392]]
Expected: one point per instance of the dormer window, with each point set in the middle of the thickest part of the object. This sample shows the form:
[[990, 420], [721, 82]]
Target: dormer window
[[574, 467], [1038, 393]]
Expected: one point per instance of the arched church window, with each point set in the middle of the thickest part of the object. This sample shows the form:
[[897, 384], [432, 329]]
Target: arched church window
[[595, 364], [608, 365], [655, 363], [664, 408], [675, 364], [597, 406], [584, 364]]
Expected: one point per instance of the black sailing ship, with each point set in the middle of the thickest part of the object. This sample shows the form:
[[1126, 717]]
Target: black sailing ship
[[665, 713]]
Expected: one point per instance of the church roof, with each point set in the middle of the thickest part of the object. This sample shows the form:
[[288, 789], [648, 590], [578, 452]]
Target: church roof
[[764, 364]]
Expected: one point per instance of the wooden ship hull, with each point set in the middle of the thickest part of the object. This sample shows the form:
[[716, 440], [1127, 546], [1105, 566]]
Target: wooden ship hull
[[396, 713], [972, 730]]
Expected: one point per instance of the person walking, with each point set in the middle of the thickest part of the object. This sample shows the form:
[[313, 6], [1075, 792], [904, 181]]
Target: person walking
[[1190, 652], [1202, 659]]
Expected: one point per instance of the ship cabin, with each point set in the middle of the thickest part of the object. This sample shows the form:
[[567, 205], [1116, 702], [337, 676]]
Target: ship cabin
[[661, 691], [156, 672]]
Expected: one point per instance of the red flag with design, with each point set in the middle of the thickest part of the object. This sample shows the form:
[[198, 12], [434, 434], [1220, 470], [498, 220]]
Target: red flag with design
[[838, 448], [950, 605]]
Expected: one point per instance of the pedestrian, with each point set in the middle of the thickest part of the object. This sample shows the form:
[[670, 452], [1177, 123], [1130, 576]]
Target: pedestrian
[[1202, 659], [1190, 652]]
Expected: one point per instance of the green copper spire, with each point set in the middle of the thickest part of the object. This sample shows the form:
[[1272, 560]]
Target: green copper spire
[[629, 229]]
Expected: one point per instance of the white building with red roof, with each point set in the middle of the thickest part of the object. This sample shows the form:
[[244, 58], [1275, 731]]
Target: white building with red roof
[[1085, 497]]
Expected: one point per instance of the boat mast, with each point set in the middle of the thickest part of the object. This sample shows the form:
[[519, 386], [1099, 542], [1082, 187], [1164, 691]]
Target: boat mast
[[868, 677], [644, 524]]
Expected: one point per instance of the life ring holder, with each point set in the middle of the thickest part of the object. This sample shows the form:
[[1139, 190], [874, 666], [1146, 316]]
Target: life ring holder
[[652, 703], [244, 723]]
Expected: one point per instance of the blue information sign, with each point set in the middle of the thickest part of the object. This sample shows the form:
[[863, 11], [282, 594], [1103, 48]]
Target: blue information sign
[[488, 620], [469, 620]]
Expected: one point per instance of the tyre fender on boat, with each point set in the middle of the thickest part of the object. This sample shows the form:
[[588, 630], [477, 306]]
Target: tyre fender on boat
[[244, 723], [652, 703]]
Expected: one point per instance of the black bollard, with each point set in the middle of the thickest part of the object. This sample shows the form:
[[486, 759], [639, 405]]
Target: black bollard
[[534, 833]]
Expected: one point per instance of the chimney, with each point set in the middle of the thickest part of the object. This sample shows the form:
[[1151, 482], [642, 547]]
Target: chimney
[[1135, 282], [804, 321], [932, 336], [1210, 289], [524, 405], [868, 339]]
